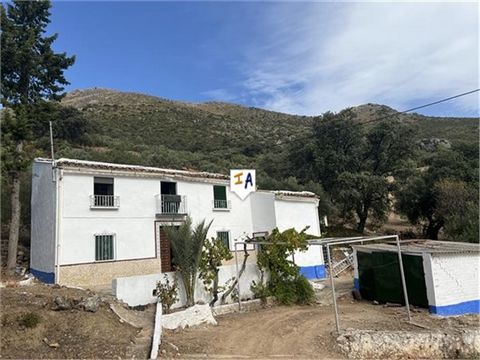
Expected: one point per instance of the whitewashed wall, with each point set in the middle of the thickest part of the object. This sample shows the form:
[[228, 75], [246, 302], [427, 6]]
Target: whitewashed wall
[[236, 220], [138, 290], [298, 214], [42, 245], [133, 222], [453, 285], [263, 211]]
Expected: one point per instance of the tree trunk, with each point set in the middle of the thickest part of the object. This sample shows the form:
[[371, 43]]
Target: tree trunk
[[14, 221], [433, 229], [233, 286], [215, 288], [362, 221]]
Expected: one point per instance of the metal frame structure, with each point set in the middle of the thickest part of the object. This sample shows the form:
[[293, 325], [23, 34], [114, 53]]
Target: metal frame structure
[[329, 242]]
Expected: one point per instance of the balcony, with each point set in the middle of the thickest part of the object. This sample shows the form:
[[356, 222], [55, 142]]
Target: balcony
[[222, 205], [171, 205], [104, 202]]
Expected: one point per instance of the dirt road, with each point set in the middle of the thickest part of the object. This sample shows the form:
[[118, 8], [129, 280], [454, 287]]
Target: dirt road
[[294, 332]]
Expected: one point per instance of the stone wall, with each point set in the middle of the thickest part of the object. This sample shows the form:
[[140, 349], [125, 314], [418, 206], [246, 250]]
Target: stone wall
[[460, 344]]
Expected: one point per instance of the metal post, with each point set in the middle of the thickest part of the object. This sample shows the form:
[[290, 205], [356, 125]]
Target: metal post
[[404, 285], [238, 278], [333, 288], [51, 141]]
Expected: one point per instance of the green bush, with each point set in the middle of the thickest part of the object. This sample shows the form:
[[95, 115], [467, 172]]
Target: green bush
[[295, 291], [29, 320], [304, 291]]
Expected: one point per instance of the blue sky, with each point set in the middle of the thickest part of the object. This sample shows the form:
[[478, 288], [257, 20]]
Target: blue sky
[[303, 58]]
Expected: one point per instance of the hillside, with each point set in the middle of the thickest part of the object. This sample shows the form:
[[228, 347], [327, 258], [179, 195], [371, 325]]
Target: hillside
[[130, 127]]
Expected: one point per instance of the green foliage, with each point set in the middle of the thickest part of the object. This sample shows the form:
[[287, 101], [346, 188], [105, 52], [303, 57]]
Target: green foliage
[[29, 320], [167, 293], [186, 244], [285, 282], [31, 70], [213, 254], [427, 199], [457, 203], [364, 194], [295, 291]]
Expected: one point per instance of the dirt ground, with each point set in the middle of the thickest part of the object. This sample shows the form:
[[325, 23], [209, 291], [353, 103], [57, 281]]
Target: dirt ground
[[78, 333], [297, 331]]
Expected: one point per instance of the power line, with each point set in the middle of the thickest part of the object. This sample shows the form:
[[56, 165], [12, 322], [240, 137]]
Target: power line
[[390, 115], [370, 121]]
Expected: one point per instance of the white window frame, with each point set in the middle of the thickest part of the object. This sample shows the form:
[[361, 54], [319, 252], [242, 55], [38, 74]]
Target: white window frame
[[114, 246]]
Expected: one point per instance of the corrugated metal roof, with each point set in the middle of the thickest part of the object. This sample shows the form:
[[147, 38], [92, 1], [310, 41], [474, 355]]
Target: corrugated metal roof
[[419, 246]]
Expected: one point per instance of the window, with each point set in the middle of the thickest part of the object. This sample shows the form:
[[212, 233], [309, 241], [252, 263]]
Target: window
[[103, 247], [103, 193], [220, 197], [224, 237]]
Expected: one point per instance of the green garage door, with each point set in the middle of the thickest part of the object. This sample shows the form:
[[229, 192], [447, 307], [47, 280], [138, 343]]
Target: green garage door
[[380, 280]]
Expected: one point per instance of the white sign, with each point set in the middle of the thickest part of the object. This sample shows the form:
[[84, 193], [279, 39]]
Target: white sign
[[242, 182]]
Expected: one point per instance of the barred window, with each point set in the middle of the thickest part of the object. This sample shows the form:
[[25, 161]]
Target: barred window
[[224, 237], [104, 247]]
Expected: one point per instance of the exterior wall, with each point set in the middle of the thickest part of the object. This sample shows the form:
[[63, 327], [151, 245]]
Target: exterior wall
[[299, 214], [455, 284], [42, 246], [138, 290], [102, 273], [132, 223], [263, 211], [237, 220], [136, 228]]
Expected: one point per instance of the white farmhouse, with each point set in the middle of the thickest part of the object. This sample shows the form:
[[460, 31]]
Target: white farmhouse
[[94, 222]]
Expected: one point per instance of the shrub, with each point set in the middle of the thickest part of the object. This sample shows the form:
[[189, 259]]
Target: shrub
[[285, 282], [29, 320], [167, 293]]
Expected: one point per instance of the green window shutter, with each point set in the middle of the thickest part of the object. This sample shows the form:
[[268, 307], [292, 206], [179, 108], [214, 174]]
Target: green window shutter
[[219, 192], [103, 247]]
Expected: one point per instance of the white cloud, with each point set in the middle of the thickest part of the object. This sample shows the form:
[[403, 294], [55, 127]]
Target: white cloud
[[320, 57]]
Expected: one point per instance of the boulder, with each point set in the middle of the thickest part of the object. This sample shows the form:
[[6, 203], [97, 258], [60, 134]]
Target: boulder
[[91, 303], [62, 304], [192, 316]]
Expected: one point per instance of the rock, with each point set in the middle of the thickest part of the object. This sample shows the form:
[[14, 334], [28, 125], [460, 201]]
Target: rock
[[54, 345], [62, 304], [164, 351], [90, 304], [20, 270], [448, 344], [195, 315], [26, 282]]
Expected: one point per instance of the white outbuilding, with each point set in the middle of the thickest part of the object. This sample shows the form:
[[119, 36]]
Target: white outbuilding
[[441, 276]]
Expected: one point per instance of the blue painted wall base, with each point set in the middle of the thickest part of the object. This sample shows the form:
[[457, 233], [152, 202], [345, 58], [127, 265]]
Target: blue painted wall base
[[356, 283], [313, 272], [43, 276], [467, 307]]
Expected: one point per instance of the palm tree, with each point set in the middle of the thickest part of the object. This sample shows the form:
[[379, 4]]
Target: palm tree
[[186, 244]]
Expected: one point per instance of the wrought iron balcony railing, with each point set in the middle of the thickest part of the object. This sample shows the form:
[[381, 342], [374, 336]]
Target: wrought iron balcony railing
[[104, 202], [222, 204], [171, 204]]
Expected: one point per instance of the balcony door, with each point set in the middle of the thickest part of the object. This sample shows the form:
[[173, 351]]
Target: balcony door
[[103, 192], [168, 188], [170, 200]]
